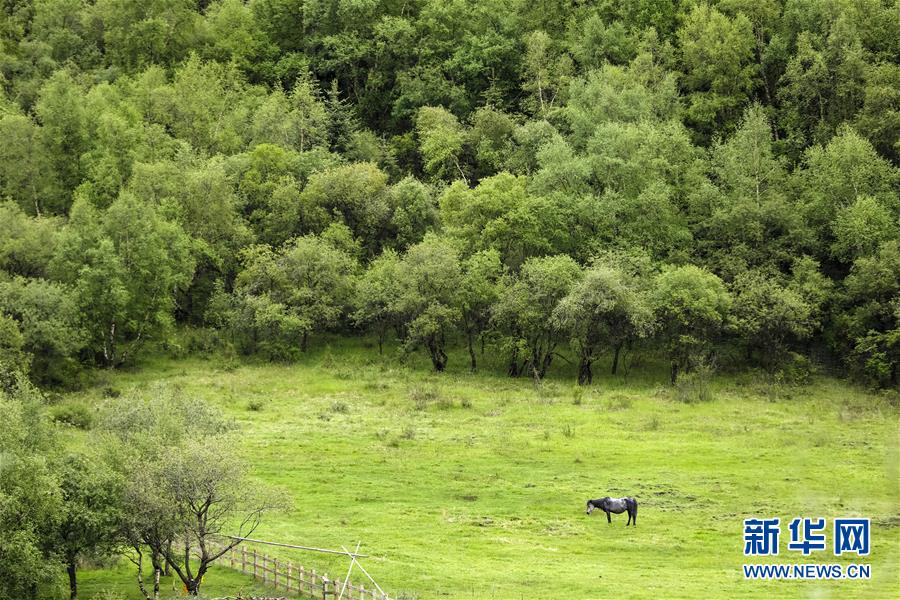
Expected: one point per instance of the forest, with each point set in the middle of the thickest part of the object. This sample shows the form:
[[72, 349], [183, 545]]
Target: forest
[[712, 183]]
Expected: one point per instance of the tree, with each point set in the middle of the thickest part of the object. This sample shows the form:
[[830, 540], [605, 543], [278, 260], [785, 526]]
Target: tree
[[356, 194], [546, 75], [63, 118], [282, 297], [769, 315], [126, 266], [377, 295], [441, 140], [717, 61], [413, 212], [525, 308], [479, 290], [185, 484], [430, 279], [26, 244], [46, 314], [605, 309], [869, 324], [27, 175], [30, 497], [691, 305], [92, 512]]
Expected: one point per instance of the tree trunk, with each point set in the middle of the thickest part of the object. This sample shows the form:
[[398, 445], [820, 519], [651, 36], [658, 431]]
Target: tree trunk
[[73, 583], [674, 372], [615, 363], [303, 343], [585, 376], [469, 335]]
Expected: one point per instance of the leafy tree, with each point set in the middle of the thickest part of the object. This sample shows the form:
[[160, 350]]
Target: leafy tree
[[413, 212], [355, 194], [430, 279], [282, 297], [26, 244], [378, 294], [441, 140], [692, 306], [834, 176], [27, 174], [30, 497], [870, 321], [63, 119], [769, 315], [546, 72], [525, 308], [126, 266], [605, 309], [185, 484], [47, 316], [717, 60], [860, 228], [92, 511], [479, 290]]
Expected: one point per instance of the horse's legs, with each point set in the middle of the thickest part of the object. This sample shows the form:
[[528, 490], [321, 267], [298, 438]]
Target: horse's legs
[[608, 518], [629, 519]]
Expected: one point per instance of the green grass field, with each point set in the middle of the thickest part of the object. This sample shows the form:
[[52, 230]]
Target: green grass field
[[473, 486]]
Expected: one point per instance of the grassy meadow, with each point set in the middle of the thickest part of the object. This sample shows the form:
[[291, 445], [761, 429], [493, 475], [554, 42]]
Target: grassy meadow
[[473, 485]]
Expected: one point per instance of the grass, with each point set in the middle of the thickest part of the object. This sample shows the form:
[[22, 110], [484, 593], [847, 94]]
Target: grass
[[473, 486]]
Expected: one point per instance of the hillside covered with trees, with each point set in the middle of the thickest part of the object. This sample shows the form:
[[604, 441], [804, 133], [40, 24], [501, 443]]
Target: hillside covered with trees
[[691, 176]]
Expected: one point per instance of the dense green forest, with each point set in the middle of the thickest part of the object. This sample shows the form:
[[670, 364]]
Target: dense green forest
[[714, 182], [697, 177]]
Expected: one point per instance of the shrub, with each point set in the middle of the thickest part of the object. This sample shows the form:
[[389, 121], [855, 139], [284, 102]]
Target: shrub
[[694, 386], [255, 405], [74, 414], [422, 395], [796, 370]]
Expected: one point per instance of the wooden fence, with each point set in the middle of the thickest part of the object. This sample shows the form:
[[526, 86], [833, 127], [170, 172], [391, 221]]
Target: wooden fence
[[284, 575]]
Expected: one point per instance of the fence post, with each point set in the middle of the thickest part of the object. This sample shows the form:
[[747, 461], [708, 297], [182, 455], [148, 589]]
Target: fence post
[[362, 591], [289, 570], [325, 586], [264, 570], [302, 581], [312, 583], [244, 559], [275, 573], [254, 564]]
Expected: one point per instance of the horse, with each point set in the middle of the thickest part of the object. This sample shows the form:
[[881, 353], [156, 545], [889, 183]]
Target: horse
[[615, 505]]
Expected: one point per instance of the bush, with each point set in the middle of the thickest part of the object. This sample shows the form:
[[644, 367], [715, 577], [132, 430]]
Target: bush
[[74, 414], [796, 370], [423, 395], [694, 386]]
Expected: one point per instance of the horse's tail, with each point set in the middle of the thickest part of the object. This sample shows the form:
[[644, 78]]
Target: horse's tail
[[634, 508]]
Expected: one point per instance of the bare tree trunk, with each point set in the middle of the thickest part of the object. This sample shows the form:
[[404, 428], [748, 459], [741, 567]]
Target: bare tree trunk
[[585, 375], [73, 583], [471, 350], [615, 363]]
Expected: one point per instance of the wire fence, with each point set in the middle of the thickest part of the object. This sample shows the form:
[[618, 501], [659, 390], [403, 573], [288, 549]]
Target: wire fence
[[284, 575]]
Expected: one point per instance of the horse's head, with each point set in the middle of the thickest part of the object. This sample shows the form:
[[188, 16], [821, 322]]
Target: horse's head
[[590, 507]]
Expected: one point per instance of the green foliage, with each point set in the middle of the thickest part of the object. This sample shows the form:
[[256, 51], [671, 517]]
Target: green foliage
[[282, 297], [692, 305], [148, 148], [525, 308]]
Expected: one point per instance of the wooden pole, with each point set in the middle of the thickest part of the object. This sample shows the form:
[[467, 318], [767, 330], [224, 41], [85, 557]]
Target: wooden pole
[[289, 569], [264, 569], [254, 564], [244, 559], [275, 575]]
